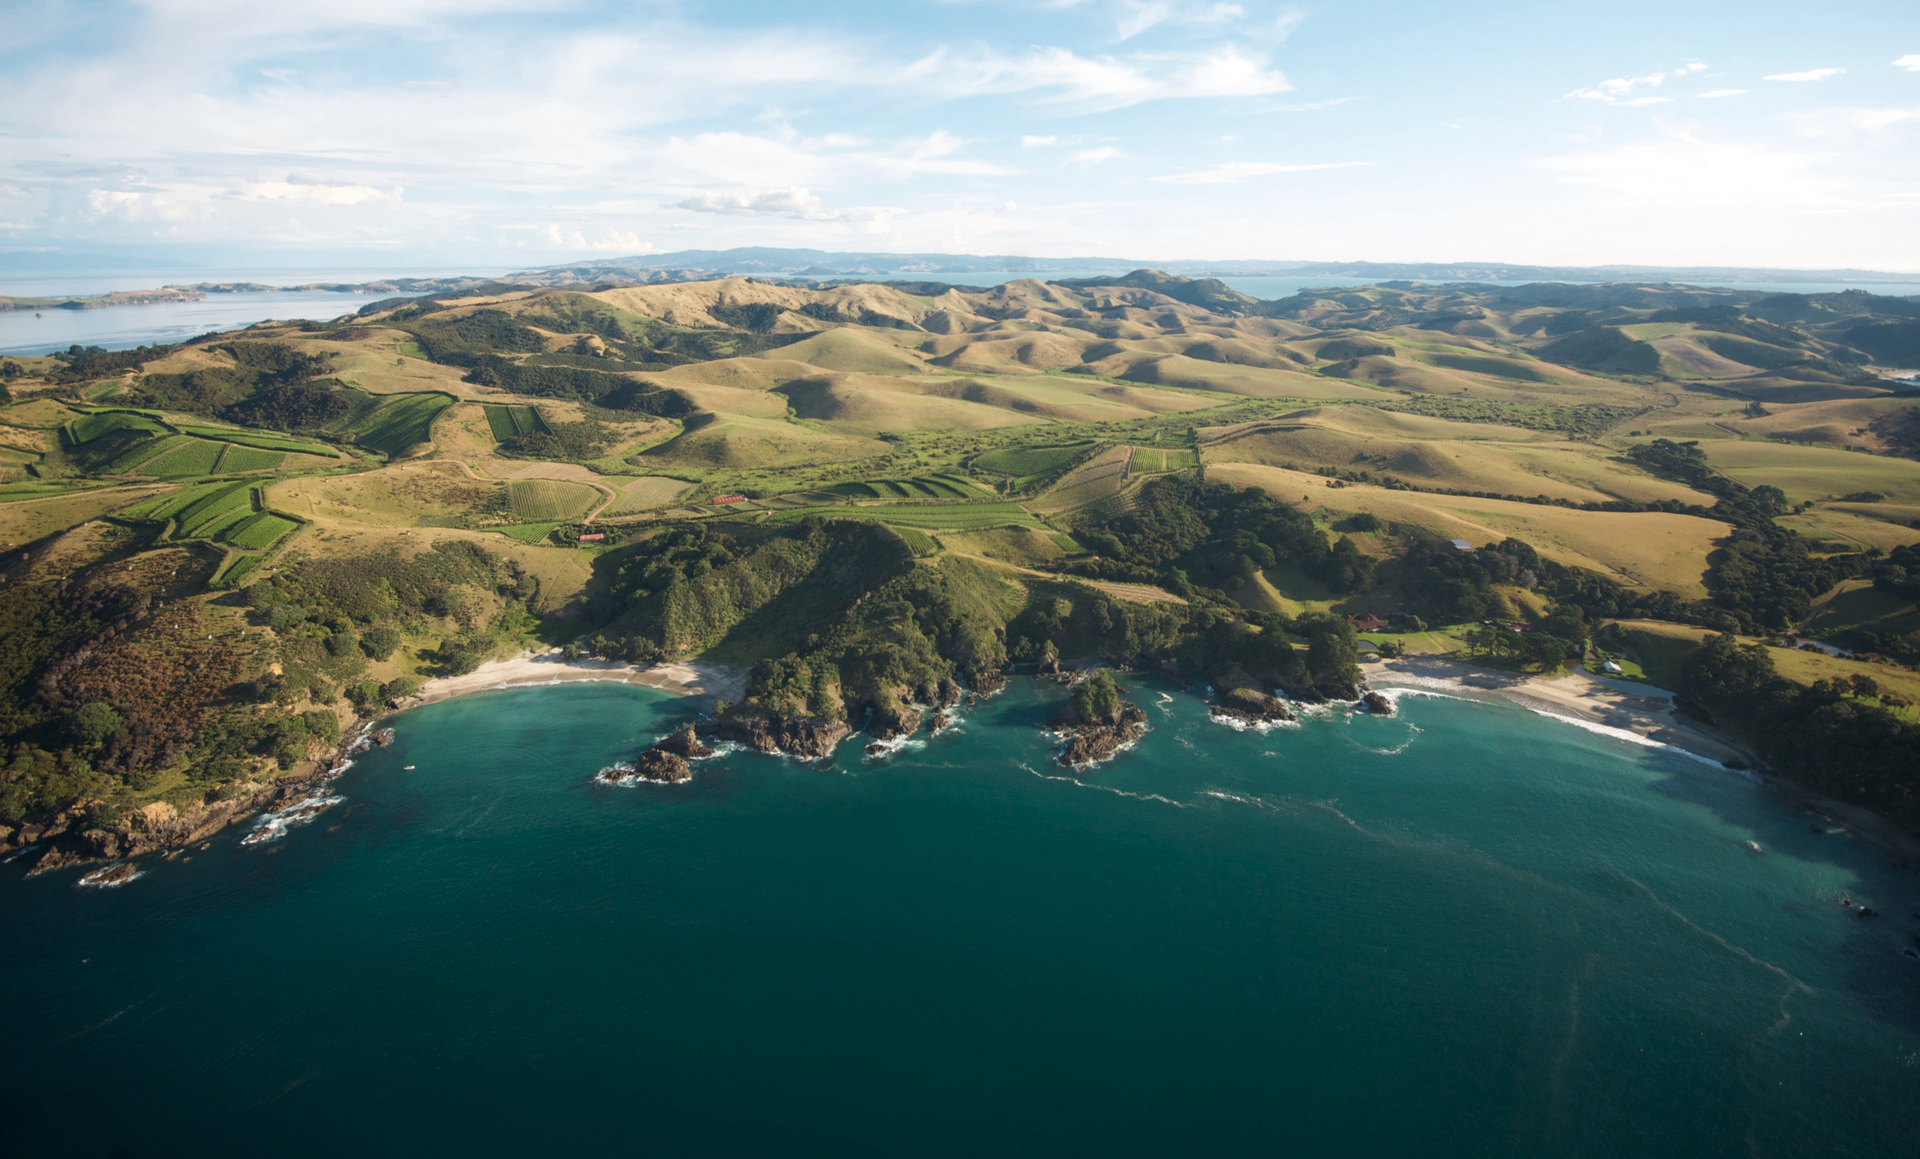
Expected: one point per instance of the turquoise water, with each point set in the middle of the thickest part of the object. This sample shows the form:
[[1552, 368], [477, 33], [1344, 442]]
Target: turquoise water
[[1465, 931]]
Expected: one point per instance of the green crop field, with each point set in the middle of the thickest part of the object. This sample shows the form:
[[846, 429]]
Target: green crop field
[[170, 503], [528, 532], [265, 442], [238, 458], [1147, 461], [144, 451], [400, 422], [193, 457], [1022, 462], [925, 487], [944, 517], [193, 520], [89, 427], [538, 500], [237, 569], [922, 544], [259, 532], [508, 422]]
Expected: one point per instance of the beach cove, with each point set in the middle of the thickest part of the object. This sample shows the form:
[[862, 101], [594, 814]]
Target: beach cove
[[1463, 929]]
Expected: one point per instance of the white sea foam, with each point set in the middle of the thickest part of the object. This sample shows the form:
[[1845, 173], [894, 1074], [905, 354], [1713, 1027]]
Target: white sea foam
[[273, 826], [1632, 737], [1238, 725]]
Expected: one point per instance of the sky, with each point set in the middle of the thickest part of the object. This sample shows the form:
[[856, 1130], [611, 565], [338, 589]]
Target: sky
[[500, 134]]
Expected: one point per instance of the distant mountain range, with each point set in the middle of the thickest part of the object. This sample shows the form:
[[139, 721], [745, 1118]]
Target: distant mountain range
[[828, 265]]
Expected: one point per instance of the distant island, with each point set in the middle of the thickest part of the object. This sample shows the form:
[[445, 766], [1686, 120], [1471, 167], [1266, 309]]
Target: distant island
[[867, 499]]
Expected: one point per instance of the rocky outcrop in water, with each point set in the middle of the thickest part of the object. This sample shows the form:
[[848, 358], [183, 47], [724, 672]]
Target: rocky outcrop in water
[[685, 743], [662, 767], [800, 737], [1091, 742], [1250, 706], [1377, 704], [990, 682]]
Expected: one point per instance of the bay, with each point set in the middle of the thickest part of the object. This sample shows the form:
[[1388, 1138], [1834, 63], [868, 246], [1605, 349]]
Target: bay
[[1466, 930]]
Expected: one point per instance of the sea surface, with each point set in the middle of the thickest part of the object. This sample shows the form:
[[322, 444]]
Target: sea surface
[[1467, 930], [125, 327]]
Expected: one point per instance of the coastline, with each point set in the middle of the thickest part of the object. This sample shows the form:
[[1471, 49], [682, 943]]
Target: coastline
[[1644, 710], [1577, 695], [531, 669]]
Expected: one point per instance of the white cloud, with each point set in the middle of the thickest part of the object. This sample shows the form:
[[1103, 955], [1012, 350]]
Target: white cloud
[[1809, 75], [1235, 172], [1827, 123], [1139, 15], [1678, 168], [1091, 157], [1618, 91], [1035, 142], [1910, 62], [1717, 94], [1096, 82], [315, 189], [614, 241], [791, 202]]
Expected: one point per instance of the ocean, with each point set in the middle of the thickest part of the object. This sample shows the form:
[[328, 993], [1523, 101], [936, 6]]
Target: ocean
[[1464, 930]]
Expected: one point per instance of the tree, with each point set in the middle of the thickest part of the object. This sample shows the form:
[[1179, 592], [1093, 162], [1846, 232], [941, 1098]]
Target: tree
[[92, 723], [379, 643], [1097, 697]]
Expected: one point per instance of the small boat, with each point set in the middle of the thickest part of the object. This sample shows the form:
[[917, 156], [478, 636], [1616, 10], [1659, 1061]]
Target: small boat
[[407, 768]]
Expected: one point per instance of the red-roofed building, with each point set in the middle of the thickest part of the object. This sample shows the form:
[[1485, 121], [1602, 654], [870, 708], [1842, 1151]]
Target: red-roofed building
[[728, 499], [1366, 622]]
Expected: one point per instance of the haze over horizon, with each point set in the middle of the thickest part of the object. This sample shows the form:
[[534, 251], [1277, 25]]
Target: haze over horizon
[[504, 134]]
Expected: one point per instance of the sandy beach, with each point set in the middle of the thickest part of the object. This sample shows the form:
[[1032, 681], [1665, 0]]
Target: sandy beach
[[530, 669], [1640, 709]]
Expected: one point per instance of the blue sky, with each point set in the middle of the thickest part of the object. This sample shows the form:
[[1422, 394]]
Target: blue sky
[[489, 133]]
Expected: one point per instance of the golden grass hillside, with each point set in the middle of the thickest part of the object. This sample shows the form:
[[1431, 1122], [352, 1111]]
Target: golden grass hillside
[[1647, 550], [1443, 454]]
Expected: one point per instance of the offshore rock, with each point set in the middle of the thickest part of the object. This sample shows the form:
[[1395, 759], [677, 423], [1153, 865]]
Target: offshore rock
[[1250, 706], [942, 720], [685, 743], [662, 767], [1090, 742], [1377, 704]]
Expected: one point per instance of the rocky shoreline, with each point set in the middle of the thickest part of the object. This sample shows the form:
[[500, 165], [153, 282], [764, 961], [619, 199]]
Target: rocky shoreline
[[159, 827]]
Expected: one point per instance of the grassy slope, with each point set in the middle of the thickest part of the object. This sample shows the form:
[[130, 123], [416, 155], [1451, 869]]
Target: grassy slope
[[1646, 550]]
